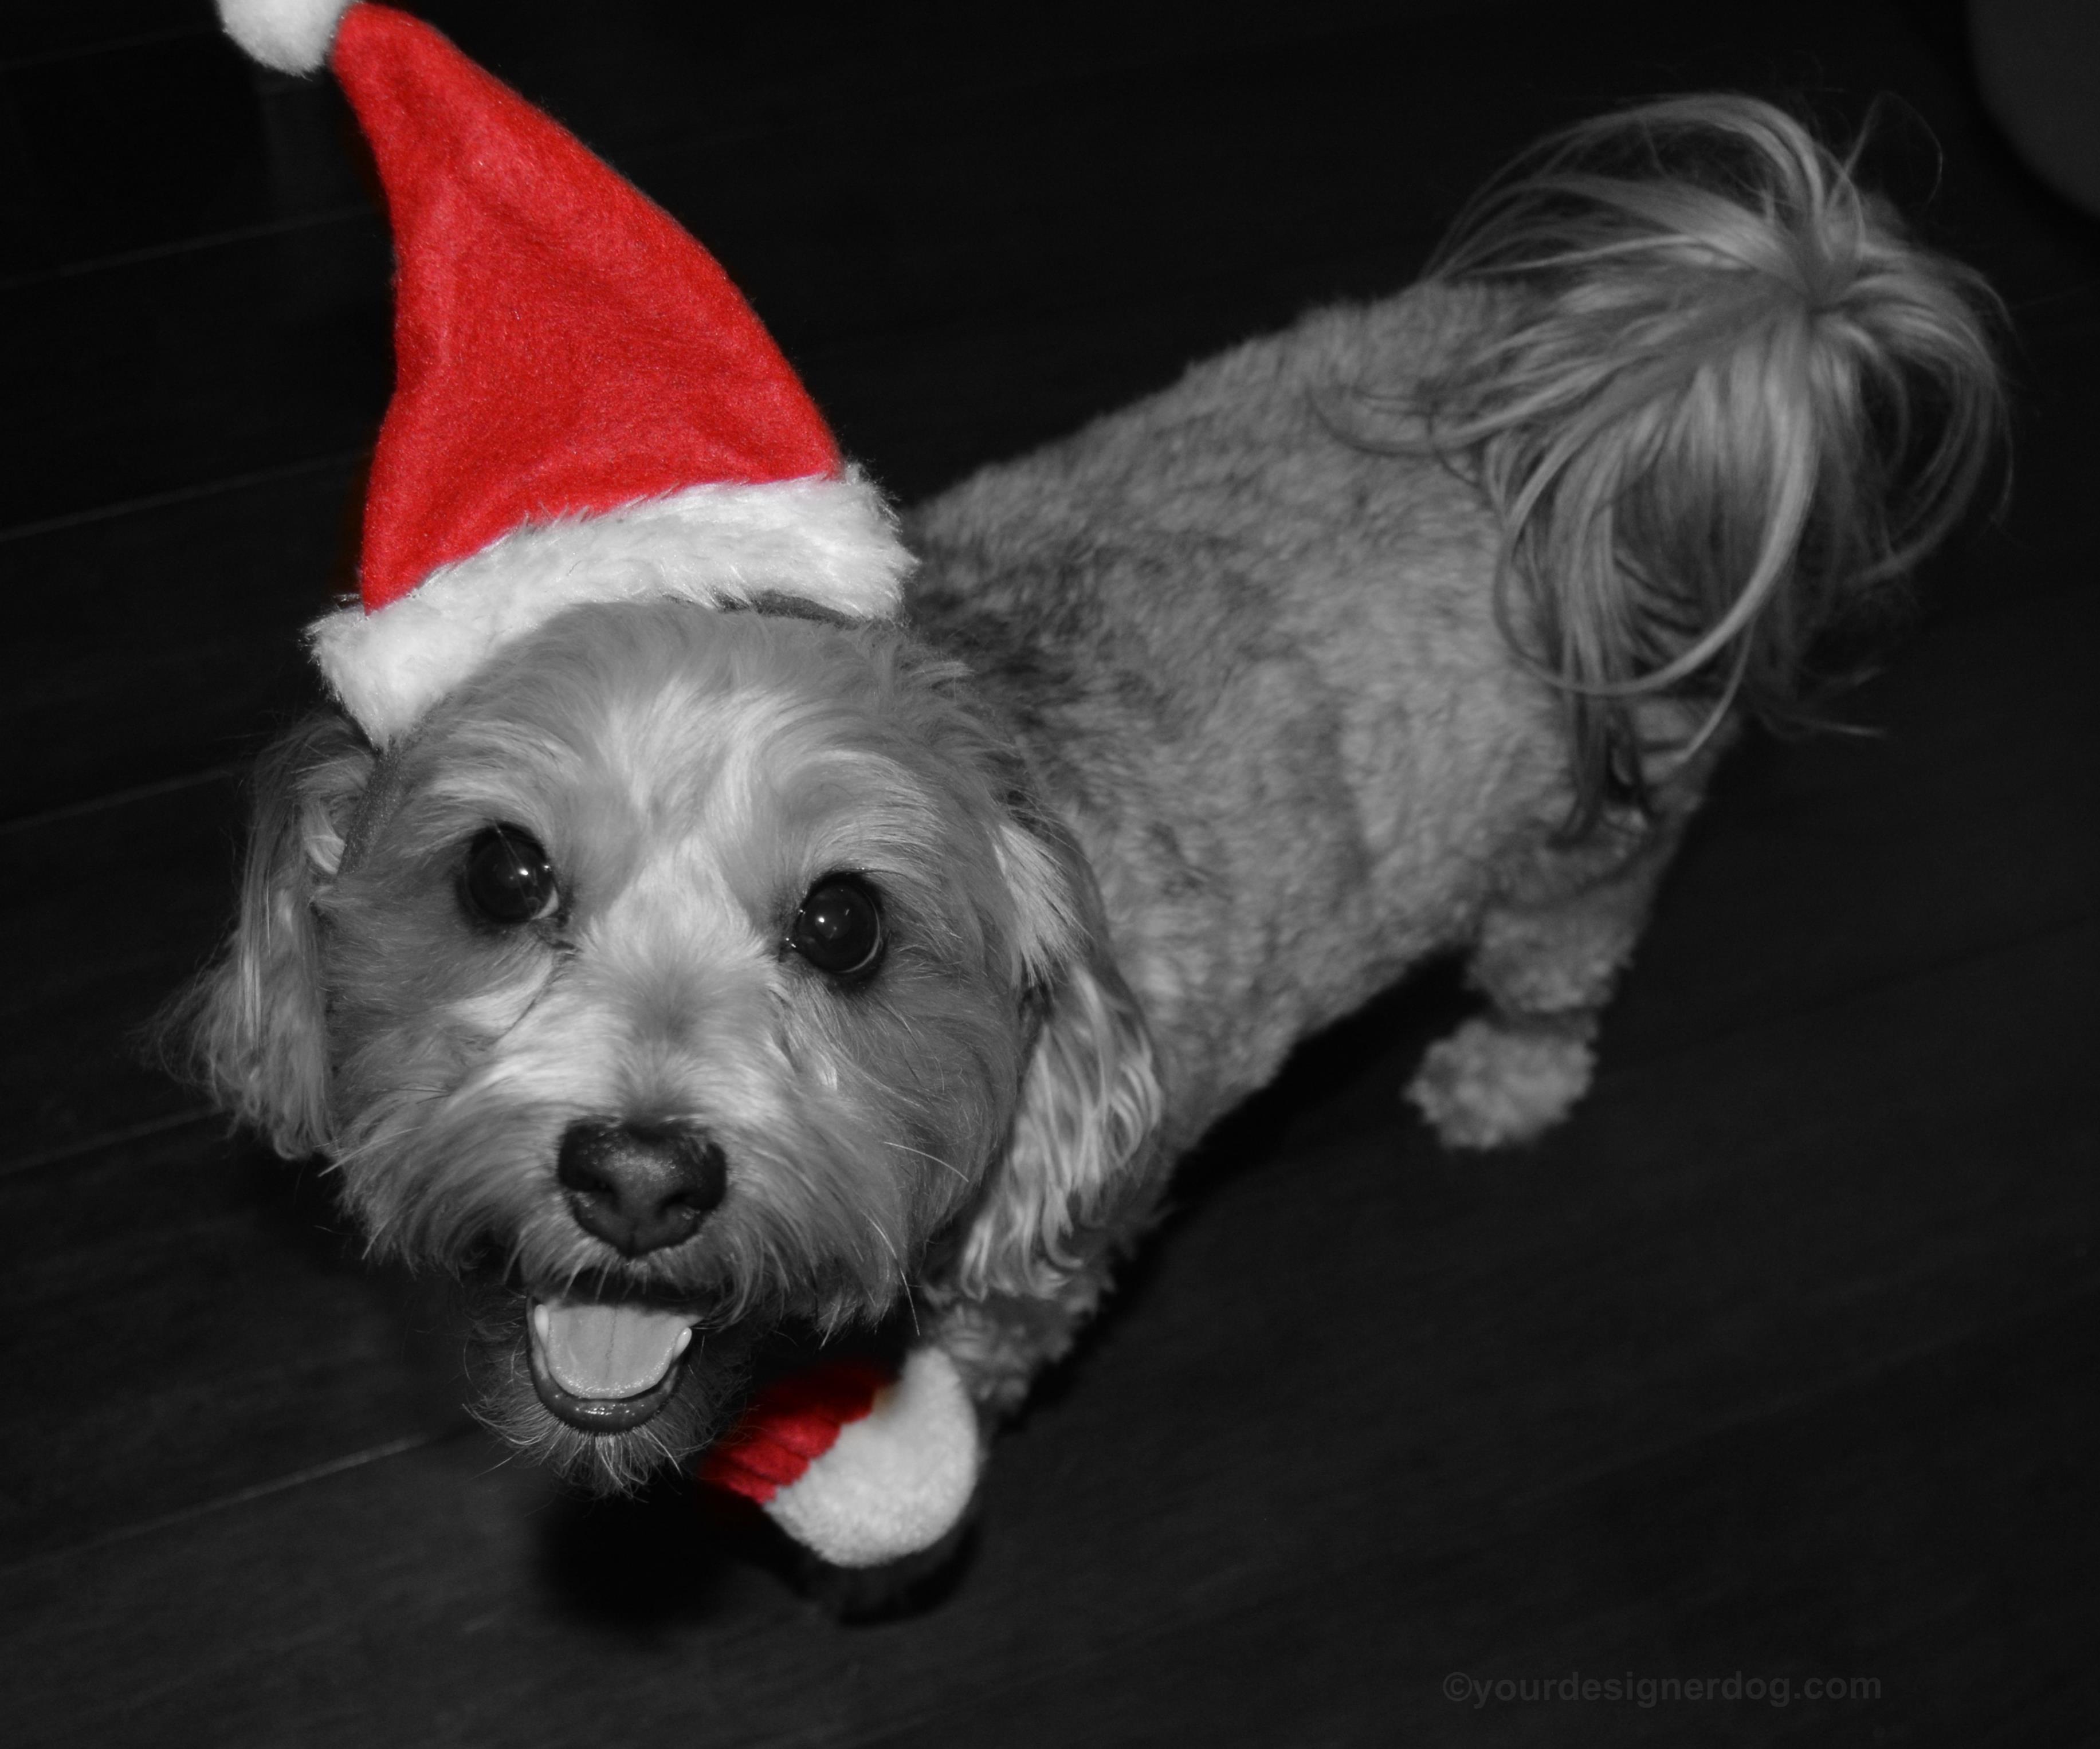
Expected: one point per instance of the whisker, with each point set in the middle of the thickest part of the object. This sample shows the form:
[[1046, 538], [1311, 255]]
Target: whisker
[[961, 1176]]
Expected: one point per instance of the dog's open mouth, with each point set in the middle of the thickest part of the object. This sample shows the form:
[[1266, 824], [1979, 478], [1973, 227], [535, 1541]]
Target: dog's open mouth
[[605, 1366]]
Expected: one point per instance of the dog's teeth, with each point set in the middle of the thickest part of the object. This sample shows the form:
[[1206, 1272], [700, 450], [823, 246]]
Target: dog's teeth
[[684, 1341], [541, 1323]]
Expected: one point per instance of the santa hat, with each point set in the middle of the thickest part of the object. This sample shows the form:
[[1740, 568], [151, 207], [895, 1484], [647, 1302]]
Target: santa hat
[[585, 407]]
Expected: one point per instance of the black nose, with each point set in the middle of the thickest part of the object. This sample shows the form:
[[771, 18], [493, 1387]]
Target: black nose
[[641, 1187]]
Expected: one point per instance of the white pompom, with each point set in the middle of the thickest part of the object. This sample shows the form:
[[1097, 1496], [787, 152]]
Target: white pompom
[[895, 1481], [293, 36]]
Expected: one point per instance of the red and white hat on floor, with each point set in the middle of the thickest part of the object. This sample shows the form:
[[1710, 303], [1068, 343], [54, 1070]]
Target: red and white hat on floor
[[585, 407]]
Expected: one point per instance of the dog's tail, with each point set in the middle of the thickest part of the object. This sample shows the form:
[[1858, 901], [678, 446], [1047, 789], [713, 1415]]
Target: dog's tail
[[1719, 396]]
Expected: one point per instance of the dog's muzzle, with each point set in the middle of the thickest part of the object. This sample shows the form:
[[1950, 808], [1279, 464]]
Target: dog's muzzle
[[605, 1367]]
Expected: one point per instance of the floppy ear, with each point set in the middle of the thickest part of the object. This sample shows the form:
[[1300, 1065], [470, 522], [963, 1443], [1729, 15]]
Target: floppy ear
[[1091, 1101], [252, 1027]]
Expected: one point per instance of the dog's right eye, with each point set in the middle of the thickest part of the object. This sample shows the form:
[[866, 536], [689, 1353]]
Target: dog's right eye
[[508, 878], [838, 928]]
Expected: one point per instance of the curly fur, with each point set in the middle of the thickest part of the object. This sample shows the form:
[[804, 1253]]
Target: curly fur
[[1200, 728], [252, 1030]]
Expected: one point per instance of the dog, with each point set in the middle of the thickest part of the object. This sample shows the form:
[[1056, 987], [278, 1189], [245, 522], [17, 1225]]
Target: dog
[[692, 975]]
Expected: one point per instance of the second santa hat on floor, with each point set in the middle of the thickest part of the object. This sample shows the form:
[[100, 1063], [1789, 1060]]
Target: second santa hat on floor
[[585, 408]]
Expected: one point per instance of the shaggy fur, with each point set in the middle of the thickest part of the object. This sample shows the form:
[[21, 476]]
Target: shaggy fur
[[1416, 628]]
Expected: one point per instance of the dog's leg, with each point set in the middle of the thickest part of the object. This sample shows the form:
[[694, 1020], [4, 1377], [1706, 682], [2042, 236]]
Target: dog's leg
[[1000, 1341], [1547, 958]]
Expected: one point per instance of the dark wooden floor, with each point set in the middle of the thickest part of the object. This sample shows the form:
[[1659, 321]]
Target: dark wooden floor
[[1780, 1359]]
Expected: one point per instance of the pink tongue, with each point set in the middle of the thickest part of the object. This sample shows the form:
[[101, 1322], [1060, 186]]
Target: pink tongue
[[597, 1350]]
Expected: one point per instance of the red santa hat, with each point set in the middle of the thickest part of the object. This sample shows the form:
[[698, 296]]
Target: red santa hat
[[585, 407]]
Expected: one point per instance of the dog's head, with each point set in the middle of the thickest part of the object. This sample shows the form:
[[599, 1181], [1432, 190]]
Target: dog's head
[[691, 970]]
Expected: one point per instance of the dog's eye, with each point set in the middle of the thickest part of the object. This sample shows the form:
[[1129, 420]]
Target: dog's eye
[[839, 928], [508, 878]]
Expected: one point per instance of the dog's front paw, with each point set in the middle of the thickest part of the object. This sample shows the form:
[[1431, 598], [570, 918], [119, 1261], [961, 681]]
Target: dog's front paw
[[861, 1468], [1488, 1085]]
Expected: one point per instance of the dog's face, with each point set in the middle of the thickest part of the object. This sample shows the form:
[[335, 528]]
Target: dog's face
[[684, 969]]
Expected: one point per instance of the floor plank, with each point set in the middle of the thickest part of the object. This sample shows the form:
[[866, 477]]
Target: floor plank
[[115, 908], [208, 1326], [164, 641], [1954, 825], [141, 145], [50, 30]]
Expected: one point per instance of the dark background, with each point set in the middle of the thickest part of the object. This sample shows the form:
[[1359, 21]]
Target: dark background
[[1780, 1358]]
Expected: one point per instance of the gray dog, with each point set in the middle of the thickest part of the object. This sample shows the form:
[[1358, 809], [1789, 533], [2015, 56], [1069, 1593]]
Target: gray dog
[[694, 971]]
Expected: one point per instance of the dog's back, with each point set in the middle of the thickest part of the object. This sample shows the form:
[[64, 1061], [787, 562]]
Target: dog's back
[[1257, 666]]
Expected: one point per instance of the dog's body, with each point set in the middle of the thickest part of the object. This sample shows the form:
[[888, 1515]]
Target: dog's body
[[1386, 637], [1292, 744]]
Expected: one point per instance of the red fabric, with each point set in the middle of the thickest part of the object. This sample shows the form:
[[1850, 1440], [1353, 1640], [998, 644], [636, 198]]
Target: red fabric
[[789, 1425], [560, 345]]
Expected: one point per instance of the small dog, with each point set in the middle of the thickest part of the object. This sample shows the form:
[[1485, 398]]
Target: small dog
[[710, 973]]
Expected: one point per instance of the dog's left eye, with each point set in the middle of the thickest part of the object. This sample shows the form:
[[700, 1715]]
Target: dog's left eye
[[508, 878], [839, 928]]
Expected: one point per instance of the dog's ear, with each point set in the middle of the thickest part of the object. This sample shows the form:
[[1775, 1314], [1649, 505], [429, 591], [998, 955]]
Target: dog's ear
[[252, 1027], [1091, 1101]]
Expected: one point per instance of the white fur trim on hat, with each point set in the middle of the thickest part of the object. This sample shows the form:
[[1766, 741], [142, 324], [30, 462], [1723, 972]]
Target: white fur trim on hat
[[292, 36], [896, 1481], [829, 542]]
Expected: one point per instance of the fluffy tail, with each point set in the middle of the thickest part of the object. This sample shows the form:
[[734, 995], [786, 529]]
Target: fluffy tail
[[1722, 396]]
